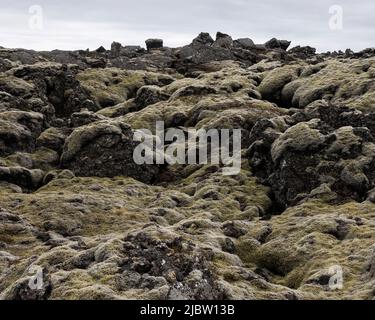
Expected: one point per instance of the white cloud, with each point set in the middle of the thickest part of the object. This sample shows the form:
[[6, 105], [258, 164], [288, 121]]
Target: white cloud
[[79, 25]]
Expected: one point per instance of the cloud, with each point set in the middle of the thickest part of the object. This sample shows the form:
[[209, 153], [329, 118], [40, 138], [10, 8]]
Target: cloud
[[88, 24]]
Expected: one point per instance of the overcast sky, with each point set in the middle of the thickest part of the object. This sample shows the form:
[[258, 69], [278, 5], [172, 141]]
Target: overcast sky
[[77, 24]]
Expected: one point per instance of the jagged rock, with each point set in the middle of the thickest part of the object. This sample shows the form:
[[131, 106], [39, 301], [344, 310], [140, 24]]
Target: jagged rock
[[366, 53], [42, 158], [57, 83], [154, 44], [111, 86], [148, 95], [116, 49], [299, 156], [53, 138], [84, 117], [22, 291], [223, 41], [187, 273], [302, 52], [202, 51], [277, 44], [19, 130], [284, 44], [349, 53], [110, 145], [274, 82], [5, 65], [203, 38], [245, 43], [233, 231], [101, 49], [96, 63], [7, 187], [21, 56], [28, 179], [57, 174]]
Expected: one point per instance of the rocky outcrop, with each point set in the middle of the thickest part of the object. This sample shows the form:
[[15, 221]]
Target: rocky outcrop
[[302, 52], [28, 179], [323, 150], [148, 95], [110, 147], [154, 44], [19, 130], [277, 44]]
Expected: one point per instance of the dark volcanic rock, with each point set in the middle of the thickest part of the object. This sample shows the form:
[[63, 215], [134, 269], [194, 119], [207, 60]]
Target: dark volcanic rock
[[19, 130], [245, 43], [53, 138], [96, 63], [203, 38], [154, 44], [5, 65], [186, 269], [202, 51], [83, 118], [104, 149], [22, 291], [148, 95], [57, 83], [302, 52], [277, 44], [101, 49], [317, 150], [22, 56], [25, 178], [223, 41], [116, 49]]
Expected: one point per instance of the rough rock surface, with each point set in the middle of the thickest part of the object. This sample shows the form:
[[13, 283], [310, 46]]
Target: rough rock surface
[[75, 206], [321, 150]]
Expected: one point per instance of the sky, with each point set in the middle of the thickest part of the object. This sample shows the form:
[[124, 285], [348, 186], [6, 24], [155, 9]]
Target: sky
[[77, 24]]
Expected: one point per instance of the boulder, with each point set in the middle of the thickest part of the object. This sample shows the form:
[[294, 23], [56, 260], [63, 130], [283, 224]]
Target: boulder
[[323, 145], [148, 95], [53, 138], [152, 44], [21, 290], [116, 49], [203, 38], [19, 130], [302, 52], [245, 43], [274, 82], [202, 51], [223, 41], [277, 44], [5, 65], [84, 117], [104, 149], [183, 266], [25, 178], [96, 63], [56, 83], [101, 49]]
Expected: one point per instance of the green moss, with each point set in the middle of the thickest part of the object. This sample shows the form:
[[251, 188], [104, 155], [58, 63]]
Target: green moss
[[111, 86]]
